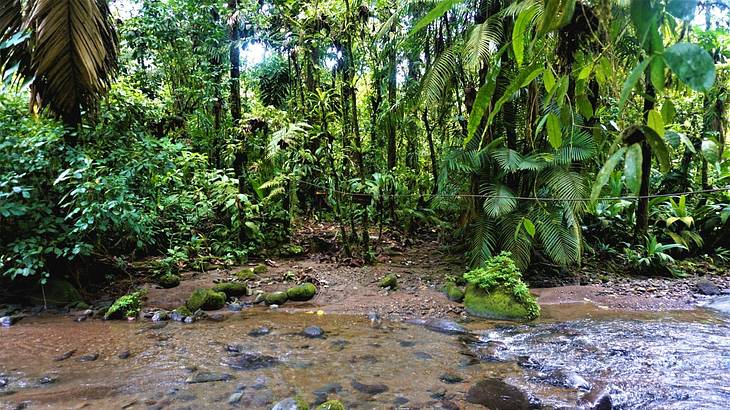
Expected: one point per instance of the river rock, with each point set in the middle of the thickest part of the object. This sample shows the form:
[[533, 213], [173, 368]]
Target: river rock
[[371, 389], [169, 280], [260, 331], [496, 305], [235, 307], [207, 377], [47, 380], [231, 289], [454, 293], [445, 326], [235, 398], [597, 399], [275, 298], [64, 356], [89, 357], [291, 403], [321, 394], [451, 378], [313, 332], [302, 292], [706, 287], [160, 316], [124, 355], [389, 281], [4, 382], [206, 299], [721, 304], [422, 356], [251, 361], [7, 321], [567, 379], [495, 394]]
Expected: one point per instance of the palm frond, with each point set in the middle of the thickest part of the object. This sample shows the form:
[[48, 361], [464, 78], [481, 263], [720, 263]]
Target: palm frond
[[499, 200], [580, 147], [483, 240], [508, 159], [483, 41], [559, 241], [437, 79]]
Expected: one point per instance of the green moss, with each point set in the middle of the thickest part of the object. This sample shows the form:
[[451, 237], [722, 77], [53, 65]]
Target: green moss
[[183, 311], [260, 268], [301, 403], [305, 291], [454, 293], [292, 250], [276, 298], [246, 274], [331, 405], [231, 288], [169, 280], [126, 306], [389, 281], [497, 304], [206, 299]]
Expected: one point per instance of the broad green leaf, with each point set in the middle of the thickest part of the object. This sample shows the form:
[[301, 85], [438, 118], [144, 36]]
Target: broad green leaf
[[643, 16], [584, 106], [676, 138], [562, 90], [481, 103], [548, 79], [658, 148], [555, 133], [656, 68], [668, 111], [585, 72], [529, 226], [436, 12], [521, 30], [631, 81], [683, 9], [656, 122], [523, 79], [605, 173], [632, 167], [549, 15], [566, 13], [692, 64], [710, 151]]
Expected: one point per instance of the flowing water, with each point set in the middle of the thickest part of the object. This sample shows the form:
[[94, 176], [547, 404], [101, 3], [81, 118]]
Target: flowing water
[[656, 361]]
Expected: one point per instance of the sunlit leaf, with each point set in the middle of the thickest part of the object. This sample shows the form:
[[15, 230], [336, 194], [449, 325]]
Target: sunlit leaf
[[632, 167], [692, 64]]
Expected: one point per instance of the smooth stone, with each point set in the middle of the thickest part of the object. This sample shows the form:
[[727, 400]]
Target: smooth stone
[[706, 287], [260, 331], [89, 357], [287, 404], [423, 356], [160, 316], [235, 398], [451, 378], [445, 326], [124, 355], [371, 389], [252, 361], [64, 356], [235, 307], [313, 332], [206, 377], [497, 395]]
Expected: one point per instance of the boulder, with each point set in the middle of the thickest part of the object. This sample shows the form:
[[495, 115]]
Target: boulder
[[168, 280], [231, 289], [706, 287], [497, 395], [246, 274], [206, 299], [454, 293], [389, 281], [497, 305], [303, 292], [275, 298]]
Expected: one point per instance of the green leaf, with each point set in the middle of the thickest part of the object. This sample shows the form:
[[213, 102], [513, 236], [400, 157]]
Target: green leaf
[[710, 151], [605, 173], [656, 68], [481, 103], [522, 30], [436, 12], [631, 81], [692, 64], [682, 9], [675, 138], [524, 78], [548, 79], [643, 16], [656, 122], [529, 227], [499, 200], [555, 133], [632, 167], [658, 148], [668, 111], [584, 106]]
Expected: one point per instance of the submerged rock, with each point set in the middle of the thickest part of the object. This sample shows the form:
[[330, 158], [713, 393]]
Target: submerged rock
[[451, 378], [124, 355], [291, 403], [275, 298], [321, 394], [445, 326], [496, 305], [207, 377], [235, 398], [303, 292], [206, 299], [568, 379], [89, 357], [260, 331], [251, 361], [64, 356], [313, 332], [371, 389], [597, 399], [497, 395]]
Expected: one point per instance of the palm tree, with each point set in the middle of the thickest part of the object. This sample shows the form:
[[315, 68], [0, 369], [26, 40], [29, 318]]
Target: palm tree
[[66, 48]]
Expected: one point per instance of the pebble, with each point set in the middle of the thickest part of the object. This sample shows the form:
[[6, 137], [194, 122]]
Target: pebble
[[64, 356], [89, 357], [260, 331], [124, 355], [371, 389], [235, 398], [206, 377], [313, 332]]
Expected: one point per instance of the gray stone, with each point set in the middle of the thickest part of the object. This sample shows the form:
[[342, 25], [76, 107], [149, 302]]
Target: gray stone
[[252, 361], [286, 404], [235, 398], [371, 389], [260, 331], [89, 357], [497, 395], [160, 316], [706, 287], [206, 377], [313, 332]]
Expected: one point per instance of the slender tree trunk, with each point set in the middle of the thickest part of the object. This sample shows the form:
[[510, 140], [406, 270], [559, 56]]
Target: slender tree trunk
[[432, 152], [391, 130], [642, 208], [235, 55]]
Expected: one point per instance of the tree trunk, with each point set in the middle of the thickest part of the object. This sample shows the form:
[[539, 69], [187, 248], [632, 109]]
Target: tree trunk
[[235, 54], [642, 208]]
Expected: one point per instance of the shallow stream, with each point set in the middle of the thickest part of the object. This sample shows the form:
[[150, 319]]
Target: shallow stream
[[575, 356]]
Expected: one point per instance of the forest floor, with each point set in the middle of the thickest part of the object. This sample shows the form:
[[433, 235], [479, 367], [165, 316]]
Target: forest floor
[[423, 265]]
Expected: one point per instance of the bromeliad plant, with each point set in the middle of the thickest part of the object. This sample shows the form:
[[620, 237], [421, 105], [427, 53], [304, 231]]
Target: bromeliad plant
[[653, 257]]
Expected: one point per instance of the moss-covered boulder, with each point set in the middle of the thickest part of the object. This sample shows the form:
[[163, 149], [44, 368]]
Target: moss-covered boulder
[[260, 268], [168, 280], [454, 293], [127, 306], [331, 405], [246, 274], [275, 298], [57, 292], [389, 281], [206, 299], [496, 291], [231, 288], [183, 311], [303, 292]]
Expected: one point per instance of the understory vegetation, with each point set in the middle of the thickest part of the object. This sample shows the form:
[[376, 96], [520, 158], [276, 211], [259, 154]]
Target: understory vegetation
[[200, 132]]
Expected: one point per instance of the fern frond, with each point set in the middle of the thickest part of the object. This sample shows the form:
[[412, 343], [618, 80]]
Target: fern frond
[[437, 79], [499, 201]]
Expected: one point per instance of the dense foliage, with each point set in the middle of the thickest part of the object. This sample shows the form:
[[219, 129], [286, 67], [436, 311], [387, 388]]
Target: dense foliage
[[553, 129]]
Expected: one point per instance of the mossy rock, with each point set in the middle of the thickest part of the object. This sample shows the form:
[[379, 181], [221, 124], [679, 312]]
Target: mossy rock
[[303, 292], [206, 299], [331, 405], [389, 281], [260, 268], [275, 298], [183, 311], [231, 288], [292, 250], [126, 306], [58, 292], [496, 304], [168, 280], [454, 293], [246, 274]]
